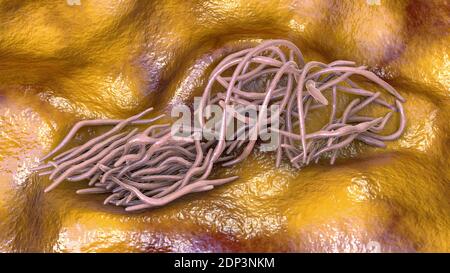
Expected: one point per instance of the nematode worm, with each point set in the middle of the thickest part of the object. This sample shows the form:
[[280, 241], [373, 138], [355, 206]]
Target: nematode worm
[[146, 168]]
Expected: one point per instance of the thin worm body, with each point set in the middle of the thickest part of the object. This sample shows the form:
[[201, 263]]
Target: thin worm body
[[148, 168]]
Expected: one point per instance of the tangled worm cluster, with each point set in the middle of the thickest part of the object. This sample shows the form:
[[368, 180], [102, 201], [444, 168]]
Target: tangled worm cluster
[[150, 167]]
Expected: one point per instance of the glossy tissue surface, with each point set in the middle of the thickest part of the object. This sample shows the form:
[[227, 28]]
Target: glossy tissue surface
[[64, 61]]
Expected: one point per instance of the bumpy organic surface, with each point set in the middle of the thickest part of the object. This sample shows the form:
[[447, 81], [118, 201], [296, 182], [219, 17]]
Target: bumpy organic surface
[[61, 63]]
